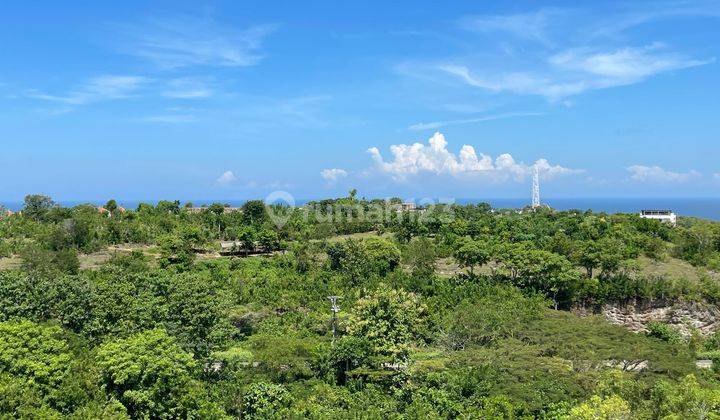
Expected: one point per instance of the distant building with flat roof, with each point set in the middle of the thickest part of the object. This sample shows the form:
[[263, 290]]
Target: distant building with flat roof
[[407, 206], [665, 216]]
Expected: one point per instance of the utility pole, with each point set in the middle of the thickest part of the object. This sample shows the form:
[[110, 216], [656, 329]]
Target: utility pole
[[335, 309]]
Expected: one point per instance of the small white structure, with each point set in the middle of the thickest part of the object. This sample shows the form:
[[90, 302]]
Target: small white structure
[[407, 206], [704, 364], [665, 216]]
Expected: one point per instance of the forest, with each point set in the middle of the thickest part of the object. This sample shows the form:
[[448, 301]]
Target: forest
[[442, 311]]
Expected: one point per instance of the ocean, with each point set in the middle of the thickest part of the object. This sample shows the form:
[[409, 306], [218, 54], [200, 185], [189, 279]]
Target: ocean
[[706, 208]]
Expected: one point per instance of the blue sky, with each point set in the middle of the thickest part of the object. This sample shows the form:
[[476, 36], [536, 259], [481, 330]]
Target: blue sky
[[232, 100]]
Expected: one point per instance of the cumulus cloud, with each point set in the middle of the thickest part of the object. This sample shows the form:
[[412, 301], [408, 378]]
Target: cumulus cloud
[[333, 174], [434, 157], [641, 173], [226, 178]]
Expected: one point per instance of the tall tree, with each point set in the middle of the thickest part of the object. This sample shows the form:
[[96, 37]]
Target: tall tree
[[37, 206]]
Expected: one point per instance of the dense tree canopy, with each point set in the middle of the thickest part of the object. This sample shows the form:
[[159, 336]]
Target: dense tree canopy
[[448, 311]]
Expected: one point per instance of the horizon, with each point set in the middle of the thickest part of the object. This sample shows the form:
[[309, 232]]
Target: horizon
[[228, 100], [701, 207]]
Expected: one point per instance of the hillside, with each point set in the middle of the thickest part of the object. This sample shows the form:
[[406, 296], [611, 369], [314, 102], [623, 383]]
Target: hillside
[[448, 312]]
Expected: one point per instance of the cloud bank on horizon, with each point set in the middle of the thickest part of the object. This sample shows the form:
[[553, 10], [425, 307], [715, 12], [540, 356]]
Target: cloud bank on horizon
[[412, 159]]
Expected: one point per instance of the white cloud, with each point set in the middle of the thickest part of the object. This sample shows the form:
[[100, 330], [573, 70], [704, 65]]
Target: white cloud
[[435, 158], [226, 178], [572, 54], [651, 12], [625, 65], [185, 42], [575, 71], [641, 173], [532, 26], [717, 176], [517, 82], [187, 88], [97, 89], [437, 124], [333, 174]]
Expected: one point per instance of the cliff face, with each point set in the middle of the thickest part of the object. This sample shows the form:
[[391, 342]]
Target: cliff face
[[635, 315]]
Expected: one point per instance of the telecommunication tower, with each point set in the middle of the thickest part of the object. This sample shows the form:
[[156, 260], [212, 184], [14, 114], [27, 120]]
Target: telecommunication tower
[[536, 188]]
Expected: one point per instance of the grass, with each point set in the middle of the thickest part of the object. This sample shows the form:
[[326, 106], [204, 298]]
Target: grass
[[93, 260], [361, 235], [9, 263], [672, 268]]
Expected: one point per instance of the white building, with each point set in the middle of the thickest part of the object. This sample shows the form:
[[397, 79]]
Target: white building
[[407, 206], [666, 216]]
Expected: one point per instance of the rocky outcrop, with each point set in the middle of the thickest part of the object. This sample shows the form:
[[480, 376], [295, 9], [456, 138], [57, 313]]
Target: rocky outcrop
[[635, 315]]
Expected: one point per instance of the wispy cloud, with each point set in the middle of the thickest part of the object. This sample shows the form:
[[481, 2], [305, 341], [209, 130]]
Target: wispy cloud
[[438, 124], [641, 13], [656, 174], [226, 178], [186, 41], [97, 89], [624, 65], [568, 56], [435, 158], [188, 88], [530, 26], [303, 111], [575, 71], [333, 174]]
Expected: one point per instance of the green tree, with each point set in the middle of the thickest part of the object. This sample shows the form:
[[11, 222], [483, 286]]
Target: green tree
[[588, 254], [37, 206], [263, 400], [664, 332], [471, 253], [39, 359], [390, 319], [148, 373], [247, 237], [381, 254], [111, 206], [597, 408], [685, 400], [254, 212], [421, 255], [501, 312], [217, 210]]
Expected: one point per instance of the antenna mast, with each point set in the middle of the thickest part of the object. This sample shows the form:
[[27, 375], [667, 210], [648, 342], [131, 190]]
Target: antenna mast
[[536, 188]]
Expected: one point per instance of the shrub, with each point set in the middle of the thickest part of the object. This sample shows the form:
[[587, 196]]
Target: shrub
[[664, 332]]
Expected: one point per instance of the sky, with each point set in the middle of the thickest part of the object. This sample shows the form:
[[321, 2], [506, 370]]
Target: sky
[[228, 100]]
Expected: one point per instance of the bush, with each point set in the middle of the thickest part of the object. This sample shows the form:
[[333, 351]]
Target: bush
[[263, 400], [664, 332]]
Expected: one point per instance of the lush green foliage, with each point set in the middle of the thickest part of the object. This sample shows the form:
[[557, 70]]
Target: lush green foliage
[[450, 312]]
